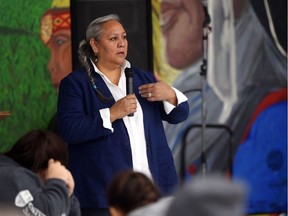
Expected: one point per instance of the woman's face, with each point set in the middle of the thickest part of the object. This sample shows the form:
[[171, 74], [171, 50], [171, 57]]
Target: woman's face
[[112, 46], [181, 25], [60, 63]]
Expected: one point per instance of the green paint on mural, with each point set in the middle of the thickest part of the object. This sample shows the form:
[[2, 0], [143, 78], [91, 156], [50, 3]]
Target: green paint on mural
[[26, 90]]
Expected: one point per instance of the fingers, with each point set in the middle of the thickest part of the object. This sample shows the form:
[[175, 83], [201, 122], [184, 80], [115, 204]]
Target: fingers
[[159, 91], [123, 107], [130, 104], [147, 90], [70, 183], [57, 170], [146, 86], [153, 91]]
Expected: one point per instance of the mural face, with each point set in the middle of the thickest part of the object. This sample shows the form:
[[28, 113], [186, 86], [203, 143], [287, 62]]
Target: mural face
[[56, 36], [181, 25], [60, 63], [254, 89]]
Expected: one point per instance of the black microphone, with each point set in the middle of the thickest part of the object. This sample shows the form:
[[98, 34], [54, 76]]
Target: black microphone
[[129, 83]]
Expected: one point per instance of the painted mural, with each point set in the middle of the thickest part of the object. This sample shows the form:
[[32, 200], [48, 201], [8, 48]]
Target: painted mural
[[236, 84], [25, 87]]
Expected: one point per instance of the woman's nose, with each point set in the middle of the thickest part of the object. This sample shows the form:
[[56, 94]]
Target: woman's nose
[[122, 42]]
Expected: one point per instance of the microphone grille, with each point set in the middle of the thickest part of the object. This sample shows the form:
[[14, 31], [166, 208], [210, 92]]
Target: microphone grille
[[128, 72]]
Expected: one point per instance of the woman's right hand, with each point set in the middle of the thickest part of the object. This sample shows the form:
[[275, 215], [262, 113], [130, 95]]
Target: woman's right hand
[[123, 107]]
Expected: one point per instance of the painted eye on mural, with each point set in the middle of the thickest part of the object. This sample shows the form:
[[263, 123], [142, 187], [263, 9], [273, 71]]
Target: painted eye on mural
[[59, 40]]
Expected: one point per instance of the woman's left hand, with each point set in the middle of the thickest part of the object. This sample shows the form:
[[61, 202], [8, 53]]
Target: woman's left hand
[[159, 91]]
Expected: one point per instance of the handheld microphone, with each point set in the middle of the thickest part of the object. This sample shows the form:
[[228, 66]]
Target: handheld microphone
[[129, 83]]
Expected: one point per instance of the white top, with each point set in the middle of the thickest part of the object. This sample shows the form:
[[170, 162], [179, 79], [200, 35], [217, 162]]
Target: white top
[[135, 124]]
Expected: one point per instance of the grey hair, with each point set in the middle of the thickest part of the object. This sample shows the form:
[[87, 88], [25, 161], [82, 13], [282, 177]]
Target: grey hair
[[94, 30]]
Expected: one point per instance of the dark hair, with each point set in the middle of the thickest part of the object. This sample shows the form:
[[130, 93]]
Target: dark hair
[[129, 190], [35, 148]]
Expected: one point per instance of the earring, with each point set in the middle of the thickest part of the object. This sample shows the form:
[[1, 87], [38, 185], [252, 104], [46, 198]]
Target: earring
[[96, 57]]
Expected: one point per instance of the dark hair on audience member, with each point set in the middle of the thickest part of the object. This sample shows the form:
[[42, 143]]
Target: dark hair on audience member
[[35, 148], [129, 190]]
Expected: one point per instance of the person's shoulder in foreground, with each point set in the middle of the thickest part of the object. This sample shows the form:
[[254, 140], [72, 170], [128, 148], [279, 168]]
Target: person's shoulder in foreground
[[158, 208], [210, 195], [213, 195]]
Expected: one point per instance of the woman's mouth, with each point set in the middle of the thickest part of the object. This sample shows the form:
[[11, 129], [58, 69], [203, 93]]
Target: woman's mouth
[[120, 53]]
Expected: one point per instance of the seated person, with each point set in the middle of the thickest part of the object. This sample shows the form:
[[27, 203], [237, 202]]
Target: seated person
[[129, 190], [34, 180], [212, 195]]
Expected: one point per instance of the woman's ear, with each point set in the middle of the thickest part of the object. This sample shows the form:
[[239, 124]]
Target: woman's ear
[[93, 44]]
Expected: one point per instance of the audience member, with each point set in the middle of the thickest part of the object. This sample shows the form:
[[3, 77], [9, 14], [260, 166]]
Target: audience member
[[130, 190], [34, 180]]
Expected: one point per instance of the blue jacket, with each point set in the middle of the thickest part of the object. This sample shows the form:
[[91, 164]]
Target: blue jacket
[[97, 154]]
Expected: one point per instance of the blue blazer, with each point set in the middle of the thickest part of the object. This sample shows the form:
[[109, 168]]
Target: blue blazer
[[95, 153]]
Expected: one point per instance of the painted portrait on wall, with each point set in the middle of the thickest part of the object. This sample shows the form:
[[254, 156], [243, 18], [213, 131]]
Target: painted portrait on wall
[[36, 47], [245, 92], [25, 88]]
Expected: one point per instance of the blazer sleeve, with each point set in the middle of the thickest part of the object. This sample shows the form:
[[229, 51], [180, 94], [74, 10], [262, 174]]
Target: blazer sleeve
[[178, 114], [79, 119]]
